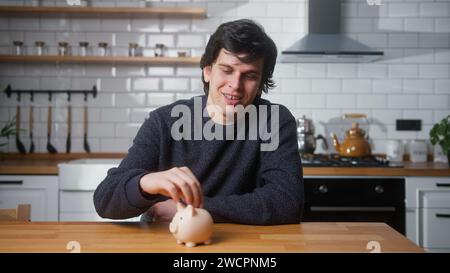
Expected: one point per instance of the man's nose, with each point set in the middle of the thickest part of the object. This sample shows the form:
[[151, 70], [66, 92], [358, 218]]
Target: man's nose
[[234, 81]]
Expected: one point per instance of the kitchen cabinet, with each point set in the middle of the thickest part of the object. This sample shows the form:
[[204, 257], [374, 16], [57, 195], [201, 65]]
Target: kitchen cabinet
[[78, 205], [40, 191], [428, 212], [78, 180], [102, 12]]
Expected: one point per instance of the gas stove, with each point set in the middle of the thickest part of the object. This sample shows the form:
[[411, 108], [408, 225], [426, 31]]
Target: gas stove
[[335, 160]]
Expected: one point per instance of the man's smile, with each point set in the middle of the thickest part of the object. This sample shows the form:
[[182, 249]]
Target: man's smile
[[231, 99]]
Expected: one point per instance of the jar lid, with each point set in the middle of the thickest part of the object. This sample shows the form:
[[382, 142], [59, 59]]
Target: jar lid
[[64, 44], [17, 43], [102, 44], [133, 45], [39, 43], [83, 44]]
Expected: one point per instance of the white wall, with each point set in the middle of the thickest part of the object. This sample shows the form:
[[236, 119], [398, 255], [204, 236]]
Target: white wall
[[413, 80]]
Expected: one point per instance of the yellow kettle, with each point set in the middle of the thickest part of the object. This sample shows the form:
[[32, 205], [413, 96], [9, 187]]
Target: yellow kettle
[[355, 143]]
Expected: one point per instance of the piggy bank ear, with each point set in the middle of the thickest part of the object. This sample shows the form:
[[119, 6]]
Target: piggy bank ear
[[191, 210], [180, 206]]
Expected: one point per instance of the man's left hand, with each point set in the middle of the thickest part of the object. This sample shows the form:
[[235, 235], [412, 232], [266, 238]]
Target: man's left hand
[[163, 211]]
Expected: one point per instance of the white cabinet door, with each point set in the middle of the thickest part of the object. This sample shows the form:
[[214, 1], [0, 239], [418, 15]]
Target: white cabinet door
[[436, 228], [40, 191], [417, 186], [78, 205], [428, 212]]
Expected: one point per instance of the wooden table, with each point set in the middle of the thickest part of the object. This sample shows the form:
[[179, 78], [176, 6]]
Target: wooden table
[[227, 238]]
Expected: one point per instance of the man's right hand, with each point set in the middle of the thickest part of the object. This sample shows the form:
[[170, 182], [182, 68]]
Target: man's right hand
[[176, 183]]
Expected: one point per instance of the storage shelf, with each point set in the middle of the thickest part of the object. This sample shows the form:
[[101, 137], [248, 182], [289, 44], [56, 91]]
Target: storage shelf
[[101, 60], [104, 11]]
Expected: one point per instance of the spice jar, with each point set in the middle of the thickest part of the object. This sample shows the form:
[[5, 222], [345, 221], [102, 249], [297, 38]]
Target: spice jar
[[83, 48], [181, 53], [35, 3], [102, 49], [132, 50], [159, 51], [40, 48], [18, 47], [63, 49]]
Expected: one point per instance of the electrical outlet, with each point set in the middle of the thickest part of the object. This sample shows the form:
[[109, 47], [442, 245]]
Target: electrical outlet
[[408, 125]]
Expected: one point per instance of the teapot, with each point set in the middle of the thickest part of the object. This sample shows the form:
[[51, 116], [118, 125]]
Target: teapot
[[355, 143], [305, 136]]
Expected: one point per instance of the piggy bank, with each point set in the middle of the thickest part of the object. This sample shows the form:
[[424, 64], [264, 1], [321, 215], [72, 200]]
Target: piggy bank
[[191, 226]]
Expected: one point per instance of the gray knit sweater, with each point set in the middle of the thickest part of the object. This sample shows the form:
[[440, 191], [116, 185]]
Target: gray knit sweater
[[240, 183]]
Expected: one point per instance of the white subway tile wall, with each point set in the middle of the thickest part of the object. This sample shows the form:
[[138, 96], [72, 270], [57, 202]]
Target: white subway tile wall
[[412, 81]]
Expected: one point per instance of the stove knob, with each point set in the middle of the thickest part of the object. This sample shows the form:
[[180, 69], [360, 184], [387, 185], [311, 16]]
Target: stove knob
[[379, 189], [323, 189]]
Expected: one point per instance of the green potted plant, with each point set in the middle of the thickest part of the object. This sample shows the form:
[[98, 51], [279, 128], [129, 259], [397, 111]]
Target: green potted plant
[[440, 134], [7, 130]]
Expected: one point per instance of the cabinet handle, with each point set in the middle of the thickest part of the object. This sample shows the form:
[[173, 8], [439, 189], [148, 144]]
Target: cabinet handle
[[442, 184], [11, 182], [440, 215]]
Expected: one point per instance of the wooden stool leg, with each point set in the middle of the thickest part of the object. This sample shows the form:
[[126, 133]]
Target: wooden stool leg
[[23, 212]]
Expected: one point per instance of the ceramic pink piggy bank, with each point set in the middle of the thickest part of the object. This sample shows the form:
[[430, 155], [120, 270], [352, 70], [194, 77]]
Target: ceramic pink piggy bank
[[191, 226]]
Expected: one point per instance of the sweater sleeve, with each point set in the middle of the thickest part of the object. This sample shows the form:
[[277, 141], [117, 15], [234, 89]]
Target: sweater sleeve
[[119, 195], [279, 197]]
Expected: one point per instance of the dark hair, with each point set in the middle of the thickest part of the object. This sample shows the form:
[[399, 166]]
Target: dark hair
[[242, 36]]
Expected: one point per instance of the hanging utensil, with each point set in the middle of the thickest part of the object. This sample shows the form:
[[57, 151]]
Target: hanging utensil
[[19, 143], [50, 148], [31, 121], [85, 126], [69, 125]]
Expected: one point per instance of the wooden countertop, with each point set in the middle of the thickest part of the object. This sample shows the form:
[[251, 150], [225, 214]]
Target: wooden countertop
[[46, 164], [43, 163], [143, 237]]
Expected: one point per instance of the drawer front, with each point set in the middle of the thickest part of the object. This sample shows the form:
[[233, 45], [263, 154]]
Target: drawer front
[[435, 199], [76, 201], [11, 197], [436, 228], [40, 191], [416, 186]]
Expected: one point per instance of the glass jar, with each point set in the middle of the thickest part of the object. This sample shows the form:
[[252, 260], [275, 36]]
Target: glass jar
[[84, 3], [35, 3], [83, 50], [132, 50], [160, 50], [18, 47], [63, 48], [102, 49], [40, 48]]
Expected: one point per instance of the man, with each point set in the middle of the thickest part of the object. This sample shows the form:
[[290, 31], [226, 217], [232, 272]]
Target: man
[[235, 180]]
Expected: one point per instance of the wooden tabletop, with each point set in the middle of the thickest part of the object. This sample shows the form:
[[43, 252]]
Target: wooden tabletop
[[227, 238]]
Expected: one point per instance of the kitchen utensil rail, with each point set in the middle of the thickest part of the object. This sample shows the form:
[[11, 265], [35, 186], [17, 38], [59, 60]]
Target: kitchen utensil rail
[[92, 91]]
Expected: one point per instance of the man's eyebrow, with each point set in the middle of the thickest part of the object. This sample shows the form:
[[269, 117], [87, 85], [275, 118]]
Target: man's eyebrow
[[224, 65]]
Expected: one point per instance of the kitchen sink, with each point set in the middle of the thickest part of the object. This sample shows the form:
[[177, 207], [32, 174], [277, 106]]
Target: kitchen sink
[[84, 174]]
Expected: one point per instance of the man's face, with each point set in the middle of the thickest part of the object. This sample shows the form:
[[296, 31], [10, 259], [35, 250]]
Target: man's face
[[232, 82]]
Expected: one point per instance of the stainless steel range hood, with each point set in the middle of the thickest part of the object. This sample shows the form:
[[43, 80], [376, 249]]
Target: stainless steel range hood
[[324, 43]]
